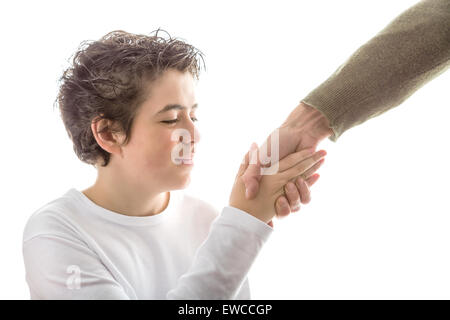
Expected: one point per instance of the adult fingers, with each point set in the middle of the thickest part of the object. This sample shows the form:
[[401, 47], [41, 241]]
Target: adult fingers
[[308, 173], [313, 179], [292, 159], [303, 165]]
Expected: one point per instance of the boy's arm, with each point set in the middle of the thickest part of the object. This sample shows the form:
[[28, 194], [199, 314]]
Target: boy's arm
[[222, 262], [62, 268]]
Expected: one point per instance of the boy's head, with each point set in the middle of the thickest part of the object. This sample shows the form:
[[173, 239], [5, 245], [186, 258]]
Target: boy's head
[[112, 101]]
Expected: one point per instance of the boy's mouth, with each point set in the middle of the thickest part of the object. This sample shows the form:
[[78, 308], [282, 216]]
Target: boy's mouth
[[186, 161]]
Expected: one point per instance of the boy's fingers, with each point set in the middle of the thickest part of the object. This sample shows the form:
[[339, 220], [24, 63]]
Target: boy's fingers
[[303, 193], [303, 188], [293, 196], [282, 207], [266, 146], [244, 165], [251, 187]]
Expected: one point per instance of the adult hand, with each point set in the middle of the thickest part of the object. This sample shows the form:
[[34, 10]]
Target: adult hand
[[304, 128], [271, 186]]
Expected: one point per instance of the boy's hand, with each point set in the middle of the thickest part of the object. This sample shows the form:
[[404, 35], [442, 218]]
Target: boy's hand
[[272, 186], [304, 128], [298, 191]]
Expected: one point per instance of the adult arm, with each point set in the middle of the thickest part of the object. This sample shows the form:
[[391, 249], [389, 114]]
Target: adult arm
[[409, 52]]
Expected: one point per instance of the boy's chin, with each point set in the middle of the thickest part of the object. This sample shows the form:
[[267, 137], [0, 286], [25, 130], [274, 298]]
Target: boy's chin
[[181, 183]]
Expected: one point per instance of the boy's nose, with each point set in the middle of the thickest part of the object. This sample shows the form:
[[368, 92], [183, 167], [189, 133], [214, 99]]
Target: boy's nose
[[196, 138]]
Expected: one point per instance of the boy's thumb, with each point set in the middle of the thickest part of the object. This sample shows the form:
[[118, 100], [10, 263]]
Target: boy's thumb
[[252, 173], [251, 188]]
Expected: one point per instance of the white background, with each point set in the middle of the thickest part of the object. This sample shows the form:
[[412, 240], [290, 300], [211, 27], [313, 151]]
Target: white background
[[377, 225]]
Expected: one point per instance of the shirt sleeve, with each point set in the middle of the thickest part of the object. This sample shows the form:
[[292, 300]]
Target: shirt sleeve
[[222, 262], [413, 49], [58, 267]]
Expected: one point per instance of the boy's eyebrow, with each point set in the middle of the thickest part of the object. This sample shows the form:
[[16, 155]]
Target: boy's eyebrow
[[175, 106]]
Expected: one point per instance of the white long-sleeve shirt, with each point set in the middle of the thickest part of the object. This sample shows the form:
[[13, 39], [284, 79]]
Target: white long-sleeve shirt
[[76, 249]]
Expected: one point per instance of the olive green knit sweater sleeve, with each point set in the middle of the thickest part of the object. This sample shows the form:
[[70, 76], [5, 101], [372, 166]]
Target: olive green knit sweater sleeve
[[410, 51]]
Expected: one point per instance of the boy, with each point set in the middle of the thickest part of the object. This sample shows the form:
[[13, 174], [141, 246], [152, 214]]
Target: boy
[[128, 105]]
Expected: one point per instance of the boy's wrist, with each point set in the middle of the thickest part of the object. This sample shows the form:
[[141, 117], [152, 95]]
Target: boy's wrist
[[247, 210], [250, 213]]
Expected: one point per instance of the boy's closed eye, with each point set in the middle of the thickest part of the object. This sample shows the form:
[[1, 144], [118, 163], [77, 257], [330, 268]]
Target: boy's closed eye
[[176, 120]]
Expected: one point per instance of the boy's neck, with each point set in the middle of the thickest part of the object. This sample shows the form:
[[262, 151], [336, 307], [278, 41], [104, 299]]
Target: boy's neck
[[126, 199]]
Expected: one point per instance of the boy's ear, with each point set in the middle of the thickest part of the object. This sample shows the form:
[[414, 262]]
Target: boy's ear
[[107, 136]]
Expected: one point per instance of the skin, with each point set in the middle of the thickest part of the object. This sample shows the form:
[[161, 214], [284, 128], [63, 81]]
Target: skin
[[304, 128], [138, 179], [140, 174], [271, 186]]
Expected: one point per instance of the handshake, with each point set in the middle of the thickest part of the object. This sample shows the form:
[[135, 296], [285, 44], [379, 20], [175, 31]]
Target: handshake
[[277, 194], [288, 180]]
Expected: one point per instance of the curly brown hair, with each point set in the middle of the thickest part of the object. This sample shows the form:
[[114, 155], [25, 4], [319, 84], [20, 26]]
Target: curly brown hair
[[109, 79]]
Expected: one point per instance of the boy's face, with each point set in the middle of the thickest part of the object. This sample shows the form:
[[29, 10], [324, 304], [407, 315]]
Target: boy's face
[[152, 156]]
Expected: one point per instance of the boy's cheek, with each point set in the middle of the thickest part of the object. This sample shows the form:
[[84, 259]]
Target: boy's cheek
[[155, 159]]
